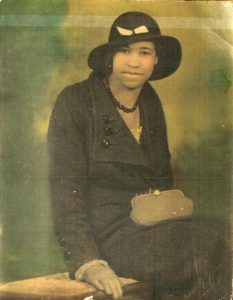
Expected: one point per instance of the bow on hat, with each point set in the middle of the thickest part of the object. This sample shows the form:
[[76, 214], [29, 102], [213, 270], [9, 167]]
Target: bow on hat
[[140, 29]]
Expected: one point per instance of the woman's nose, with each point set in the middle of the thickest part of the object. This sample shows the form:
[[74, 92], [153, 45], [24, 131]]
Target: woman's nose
[[134, 60]]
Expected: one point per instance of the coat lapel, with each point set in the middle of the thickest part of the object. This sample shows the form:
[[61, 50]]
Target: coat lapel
[[112, 140]]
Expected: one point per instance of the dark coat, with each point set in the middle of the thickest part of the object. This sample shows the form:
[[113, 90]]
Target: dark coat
[[96, 165]]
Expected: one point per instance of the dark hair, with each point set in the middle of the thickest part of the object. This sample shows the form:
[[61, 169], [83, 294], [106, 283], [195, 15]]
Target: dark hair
[[105, 66]]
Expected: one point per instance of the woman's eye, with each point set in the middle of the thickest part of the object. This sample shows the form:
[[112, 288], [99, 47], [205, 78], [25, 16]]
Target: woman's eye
[[145, 53], [124, 50]]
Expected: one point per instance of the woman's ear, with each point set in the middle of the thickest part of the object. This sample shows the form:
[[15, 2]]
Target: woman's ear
[[156, 60]]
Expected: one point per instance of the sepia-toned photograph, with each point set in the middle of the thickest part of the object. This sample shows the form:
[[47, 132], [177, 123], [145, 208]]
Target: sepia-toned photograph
[[116, 150]]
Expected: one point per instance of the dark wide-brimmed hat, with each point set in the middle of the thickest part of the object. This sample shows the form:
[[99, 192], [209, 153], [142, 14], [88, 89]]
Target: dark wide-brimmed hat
[[132, 27]]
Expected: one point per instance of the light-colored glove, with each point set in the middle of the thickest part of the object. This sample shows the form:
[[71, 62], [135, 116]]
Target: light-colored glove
[[105, 279]]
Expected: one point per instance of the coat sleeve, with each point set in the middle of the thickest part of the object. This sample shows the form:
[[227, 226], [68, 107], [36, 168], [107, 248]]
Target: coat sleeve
[[160, 154], [68, 181], [165, 170]]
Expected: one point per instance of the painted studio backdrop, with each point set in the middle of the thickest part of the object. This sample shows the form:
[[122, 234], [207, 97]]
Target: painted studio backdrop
[[44, 47]]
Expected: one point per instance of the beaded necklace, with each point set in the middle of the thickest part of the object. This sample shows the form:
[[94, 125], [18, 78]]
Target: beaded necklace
[[118, 104]]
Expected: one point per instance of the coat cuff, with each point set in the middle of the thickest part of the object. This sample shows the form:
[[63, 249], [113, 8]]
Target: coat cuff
[[80, 272]]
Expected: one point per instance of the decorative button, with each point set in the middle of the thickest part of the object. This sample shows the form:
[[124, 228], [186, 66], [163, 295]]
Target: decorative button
[[106, 143], [62, 242], [152, 132], [156, 192], [110, 131], [67, 255], [115, 131], [107, 119]]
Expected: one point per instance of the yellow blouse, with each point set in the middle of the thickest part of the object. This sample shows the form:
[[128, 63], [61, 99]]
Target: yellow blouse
[[136, 132]]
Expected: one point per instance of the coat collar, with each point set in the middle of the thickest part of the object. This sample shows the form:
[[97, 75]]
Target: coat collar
[[112, 140]]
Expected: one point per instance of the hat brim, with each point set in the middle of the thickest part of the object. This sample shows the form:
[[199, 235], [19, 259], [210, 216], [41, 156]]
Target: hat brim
[[168, 50]]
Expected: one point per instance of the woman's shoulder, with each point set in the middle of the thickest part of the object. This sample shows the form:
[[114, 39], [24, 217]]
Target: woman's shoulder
[[74, 97], [74, 91], [80, 94], [72, 103]]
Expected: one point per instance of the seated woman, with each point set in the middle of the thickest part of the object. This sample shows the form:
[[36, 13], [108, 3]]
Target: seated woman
[[107, 142]]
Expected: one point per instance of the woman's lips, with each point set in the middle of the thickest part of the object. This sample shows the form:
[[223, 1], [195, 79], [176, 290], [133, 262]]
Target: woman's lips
[[132, 73]]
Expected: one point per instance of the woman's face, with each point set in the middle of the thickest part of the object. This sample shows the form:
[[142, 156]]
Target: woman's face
[[133, 65]]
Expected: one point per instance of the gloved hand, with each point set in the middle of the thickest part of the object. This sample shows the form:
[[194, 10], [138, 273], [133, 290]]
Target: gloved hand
[[105, 279]]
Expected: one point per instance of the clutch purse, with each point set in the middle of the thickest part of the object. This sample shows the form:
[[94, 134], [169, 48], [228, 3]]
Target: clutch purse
[[156, 207]]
